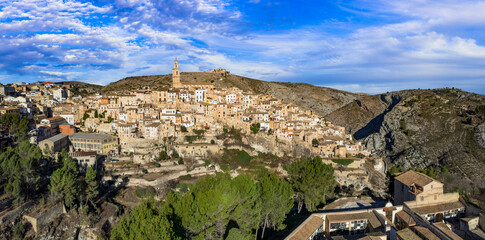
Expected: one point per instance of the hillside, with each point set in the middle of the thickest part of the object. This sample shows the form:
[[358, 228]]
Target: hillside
[[323, 100], [442, 128], [81, 88], [438, 128]]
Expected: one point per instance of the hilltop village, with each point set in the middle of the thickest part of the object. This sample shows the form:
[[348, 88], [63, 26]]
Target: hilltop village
[[131, 124], [151, 141]]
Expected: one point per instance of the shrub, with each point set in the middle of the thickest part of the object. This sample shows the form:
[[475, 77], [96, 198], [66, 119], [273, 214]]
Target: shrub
[[343, 161], [255, 127], [145, 192]]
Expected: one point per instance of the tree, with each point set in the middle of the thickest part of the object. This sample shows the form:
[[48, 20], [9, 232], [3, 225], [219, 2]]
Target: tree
[[20, 168], [183, 129], [315, 142], [247, 213], [85, 116], [205, 210], [255, 128], [12, 123], [22, 129], [312, 181], [63, 184], [14, 190], [276, 201], [64, 181], [91, 190], [96, 114], [237, 234], [146, 221]]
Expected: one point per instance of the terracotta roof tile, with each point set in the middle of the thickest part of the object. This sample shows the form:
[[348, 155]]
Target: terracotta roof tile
[[308, 227], [411, 177]]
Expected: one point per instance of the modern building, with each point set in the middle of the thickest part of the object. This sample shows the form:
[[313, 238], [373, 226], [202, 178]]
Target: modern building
[[100, 143]]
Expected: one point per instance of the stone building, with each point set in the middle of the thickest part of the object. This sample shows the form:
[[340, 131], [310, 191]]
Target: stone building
[[176, 83], [100, 143], [411, 186], [85, 159], [55, 144]]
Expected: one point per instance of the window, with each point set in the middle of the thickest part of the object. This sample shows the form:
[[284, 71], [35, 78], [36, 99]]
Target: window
[[422, 198]]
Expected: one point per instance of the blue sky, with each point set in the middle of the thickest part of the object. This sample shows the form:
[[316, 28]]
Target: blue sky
[[370, 46]]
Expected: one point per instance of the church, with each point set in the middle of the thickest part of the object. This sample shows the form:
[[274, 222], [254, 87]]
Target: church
[[177, 83]]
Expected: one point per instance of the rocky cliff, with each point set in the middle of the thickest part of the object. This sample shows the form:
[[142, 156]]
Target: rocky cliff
[[443, 129]]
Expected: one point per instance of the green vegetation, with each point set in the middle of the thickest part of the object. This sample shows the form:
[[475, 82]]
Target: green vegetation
[[235, 158], [480, 110], [147, 221], [91, 190], [163, 155], [394, 169], [232, 133], [410, 103], [343, 161], [315, 142], [192, 138], [110, 119], [187, 177], [63, 183], [255, 128], [312, 181], [204, 212], [20, 168], [183, 129], [198, 132], [12, 123], [146, 192]]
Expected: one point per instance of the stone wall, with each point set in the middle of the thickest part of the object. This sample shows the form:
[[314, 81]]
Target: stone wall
[[38, 220]]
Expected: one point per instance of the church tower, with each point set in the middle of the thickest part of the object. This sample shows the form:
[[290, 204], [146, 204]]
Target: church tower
[[176, 75]]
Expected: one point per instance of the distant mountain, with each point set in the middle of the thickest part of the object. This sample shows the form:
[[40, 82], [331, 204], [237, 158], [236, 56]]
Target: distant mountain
[[442, 128]]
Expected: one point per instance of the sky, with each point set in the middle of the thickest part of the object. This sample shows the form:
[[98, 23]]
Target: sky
[[370, 46]]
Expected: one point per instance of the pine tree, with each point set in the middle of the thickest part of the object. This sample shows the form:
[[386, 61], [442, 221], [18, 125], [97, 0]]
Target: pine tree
[[91, 190]]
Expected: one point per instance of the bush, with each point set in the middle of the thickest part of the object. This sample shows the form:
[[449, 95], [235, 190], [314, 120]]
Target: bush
[[183, 129], [180, 161], [198, 132], [343, 161], [163, 155], [187, 177], [145, 192], [144, 171], [255, 128], [213, 142], [19, 230], [236, 157], [155, 164]]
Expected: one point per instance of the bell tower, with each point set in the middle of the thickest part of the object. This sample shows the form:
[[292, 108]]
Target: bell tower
[[176, 75]]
